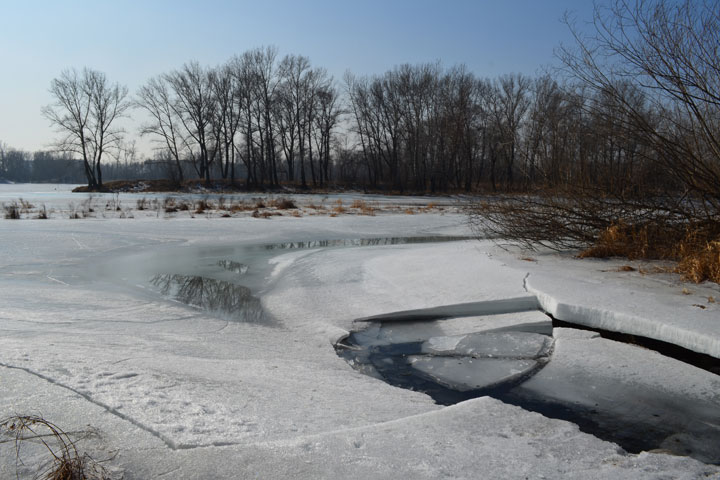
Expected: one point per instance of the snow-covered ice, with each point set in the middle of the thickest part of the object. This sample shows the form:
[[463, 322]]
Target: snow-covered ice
[[183, 392]]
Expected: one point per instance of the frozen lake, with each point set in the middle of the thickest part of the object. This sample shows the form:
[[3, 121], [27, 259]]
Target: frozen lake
[[205, 346]]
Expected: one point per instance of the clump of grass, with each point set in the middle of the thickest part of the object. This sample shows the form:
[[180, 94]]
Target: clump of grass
[[283, 204], [65, 462], [142, 203], [701, 264], [26, 206], [696, 249], [42, 213], [239, 207], [259, 203], [75, 214], [364, 208], [339, 208], [621, 240], [264, 214], [202, 205], [12, 211]]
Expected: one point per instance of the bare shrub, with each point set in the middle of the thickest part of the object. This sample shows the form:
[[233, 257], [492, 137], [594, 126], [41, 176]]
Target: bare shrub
[[65, 462], [143, 203], [658, 227], [42, 214], [26, 206], [12, 211]]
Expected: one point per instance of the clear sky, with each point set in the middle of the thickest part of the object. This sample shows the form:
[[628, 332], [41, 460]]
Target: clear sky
[[132, 41]]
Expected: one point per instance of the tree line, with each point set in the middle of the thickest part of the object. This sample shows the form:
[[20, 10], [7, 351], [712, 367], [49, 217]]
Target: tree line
[[636, 169], [266, 121], [638, 119]]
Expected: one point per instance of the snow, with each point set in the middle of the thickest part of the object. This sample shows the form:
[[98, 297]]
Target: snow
[[594, 294], [185, 392]]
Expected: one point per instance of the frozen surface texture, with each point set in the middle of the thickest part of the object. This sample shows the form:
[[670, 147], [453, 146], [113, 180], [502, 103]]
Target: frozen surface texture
[[175, 391], [658, 306], [467, 373]]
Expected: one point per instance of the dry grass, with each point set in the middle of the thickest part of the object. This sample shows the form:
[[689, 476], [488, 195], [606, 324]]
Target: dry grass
[[701, 264], [42, 213], [202, 205], [65, 462], [12, 211], [339, 208], [696, 250], [241, 207], [364, 207], [283, 204]]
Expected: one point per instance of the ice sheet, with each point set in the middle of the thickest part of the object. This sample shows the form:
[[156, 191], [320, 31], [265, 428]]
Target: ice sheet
[[184, 393]]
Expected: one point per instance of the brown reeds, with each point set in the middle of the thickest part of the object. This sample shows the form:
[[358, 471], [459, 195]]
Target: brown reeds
[[65, 462]]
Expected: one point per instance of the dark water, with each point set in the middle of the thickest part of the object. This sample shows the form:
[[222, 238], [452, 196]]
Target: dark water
[[637, 417]]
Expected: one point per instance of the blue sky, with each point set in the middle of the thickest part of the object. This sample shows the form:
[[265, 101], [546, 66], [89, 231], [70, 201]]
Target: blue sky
[[132, 41]]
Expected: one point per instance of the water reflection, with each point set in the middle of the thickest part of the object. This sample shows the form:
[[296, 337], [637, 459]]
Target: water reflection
[[233, 300]]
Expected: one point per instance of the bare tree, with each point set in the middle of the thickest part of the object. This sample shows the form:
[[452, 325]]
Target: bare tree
[[85, 110], [195, 106], [668, 51], [229, 104], [157, 98]]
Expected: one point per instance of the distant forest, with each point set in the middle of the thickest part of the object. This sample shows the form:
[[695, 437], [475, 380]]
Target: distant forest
[[263, 122], [633, 112]]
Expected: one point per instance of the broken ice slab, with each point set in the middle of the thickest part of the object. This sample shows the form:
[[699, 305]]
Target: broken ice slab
[[486, 307], [388, 333], [489, 345], [466, 373]]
